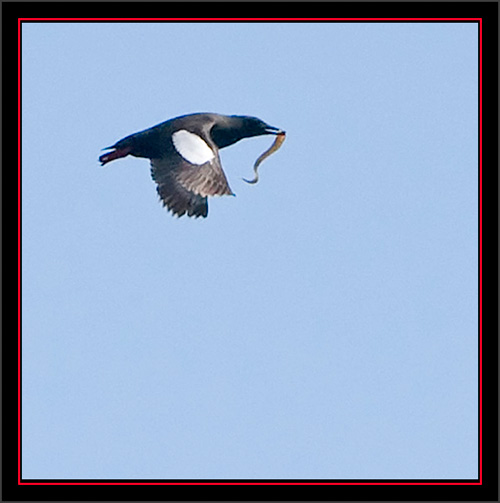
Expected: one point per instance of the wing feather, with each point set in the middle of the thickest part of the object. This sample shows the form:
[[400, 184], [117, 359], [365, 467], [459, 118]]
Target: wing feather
[[205, 180], [184, 187]]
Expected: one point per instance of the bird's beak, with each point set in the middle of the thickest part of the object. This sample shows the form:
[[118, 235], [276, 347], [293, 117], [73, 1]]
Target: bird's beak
[[273, 130]]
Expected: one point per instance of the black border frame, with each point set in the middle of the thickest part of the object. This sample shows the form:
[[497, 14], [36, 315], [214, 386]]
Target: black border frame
[[363, 490]]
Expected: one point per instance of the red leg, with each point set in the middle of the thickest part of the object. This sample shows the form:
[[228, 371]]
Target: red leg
[[115, 154]]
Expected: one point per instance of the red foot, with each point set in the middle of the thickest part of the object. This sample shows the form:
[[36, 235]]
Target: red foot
[[115, 154]]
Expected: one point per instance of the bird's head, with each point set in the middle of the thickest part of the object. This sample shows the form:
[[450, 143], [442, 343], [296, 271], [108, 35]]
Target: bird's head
[[252, 126], [236, 127]]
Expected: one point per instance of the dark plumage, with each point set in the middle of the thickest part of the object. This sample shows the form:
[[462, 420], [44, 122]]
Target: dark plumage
[[184, 154]]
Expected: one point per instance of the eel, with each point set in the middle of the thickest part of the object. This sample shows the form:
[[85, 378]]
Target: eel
[[280, 138]]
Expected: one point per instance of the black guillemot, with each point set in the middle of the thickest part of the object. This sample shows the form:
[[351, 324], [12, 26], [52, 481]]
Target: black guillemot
[[184, 154]]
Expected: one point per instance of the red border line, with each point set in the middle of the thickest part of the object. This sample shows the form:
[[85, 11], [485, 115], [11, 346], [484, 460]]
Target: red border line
[[19, 251], [186, 19], [251, 483], [479, 20], [480, 252]]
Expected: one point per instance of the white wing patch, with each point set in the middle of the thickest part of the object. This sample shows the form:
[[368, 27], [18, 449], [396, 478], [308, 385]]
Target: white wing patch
[[193, 148]]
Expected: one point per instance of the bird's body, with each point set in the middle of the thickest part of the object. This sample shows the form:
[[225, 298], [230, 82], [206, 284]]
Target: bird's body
[[184, 154]]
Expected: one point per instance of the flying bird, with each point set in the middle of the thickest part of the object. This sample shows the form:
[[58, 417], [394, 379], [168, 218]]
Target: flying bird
[[184, 154]]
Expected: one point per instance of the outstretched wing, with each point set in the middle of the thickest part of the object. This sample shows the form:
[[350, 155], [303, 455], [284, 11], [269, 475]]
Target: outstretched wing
[[183, 187], [181, 201]]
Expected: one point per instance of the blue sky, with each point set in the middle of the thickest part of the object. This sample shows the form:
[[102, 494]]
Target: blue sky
[[321, 324]]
